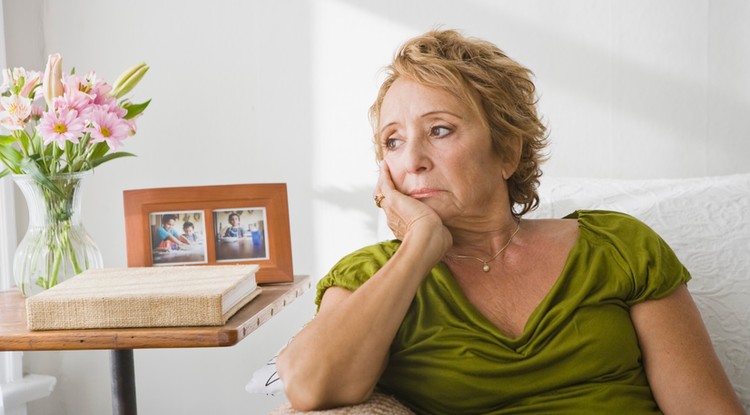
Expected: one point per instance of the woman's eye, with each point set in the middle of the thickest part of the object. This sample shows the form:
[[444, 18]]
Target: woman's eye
[[439, 131], [391, 143]]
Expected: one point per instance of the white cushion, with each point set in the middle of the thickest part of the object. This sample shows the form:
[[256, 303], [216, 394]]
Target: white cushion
[[265, 380], [707, 223]]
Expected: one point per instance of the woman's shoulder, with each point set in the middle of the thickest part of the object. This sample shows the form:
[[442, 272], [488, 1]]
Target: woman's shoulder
[[355, 268], [600, 215], [378, 253], [609, 223], [653, 267]]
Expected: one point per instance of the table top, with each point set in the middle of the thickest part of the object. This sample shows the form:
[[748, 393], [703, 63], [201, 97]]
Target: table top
[[15, 336]]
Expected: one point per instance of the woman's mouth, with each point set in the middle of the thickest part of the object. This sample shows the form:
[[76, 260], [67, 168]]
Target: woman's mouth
[[423, 193]]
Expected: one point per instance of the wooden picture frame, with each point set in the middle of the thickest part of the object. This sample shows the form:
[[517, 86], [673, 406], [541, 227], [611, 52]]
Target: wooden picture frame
[[263, 238]]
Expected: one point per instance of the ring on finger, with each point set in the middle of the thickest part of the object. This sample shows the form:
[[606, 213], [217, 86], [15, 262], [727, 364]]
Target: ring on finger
[[378, 198]]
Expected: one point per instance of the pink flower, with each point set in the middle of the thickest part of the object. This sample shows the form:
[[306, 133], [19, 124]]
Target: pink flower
[[14, 110], [107, 126], [52, 82], [61, 126], [37, 111], [74, 83], [7, 80], [20, 81], [75, 100], [100, 92], [131, 124], [111, 106], [33, 79]]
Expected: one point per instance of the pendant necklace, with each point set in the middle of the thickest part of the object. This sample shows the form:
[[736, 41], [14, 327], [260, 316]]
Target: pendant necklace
[[486, 264]]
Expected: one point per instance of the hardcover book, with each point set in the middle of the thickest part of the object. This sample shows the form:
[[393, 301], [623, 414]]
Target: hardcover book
[[144, 297]]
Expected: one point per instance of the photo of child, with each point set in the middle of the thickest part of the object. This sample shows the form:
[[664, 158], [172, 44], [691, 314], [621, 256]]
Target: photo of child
[[234, 230], [169, 246], [240, 234], [188, 232]]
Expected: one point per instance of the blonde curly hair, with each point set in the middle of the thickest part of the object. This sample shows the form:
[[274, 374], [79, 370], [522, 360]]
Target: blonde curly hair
[[498, 88]]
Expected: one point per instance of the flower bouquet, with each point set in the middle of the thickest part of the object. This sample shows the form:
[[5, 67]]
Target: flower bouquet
[[59, 128]]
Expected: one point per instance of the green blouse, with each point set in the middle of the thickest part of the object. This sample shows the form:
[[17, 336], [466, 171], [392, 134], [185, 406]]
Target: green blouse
[[578, 353]]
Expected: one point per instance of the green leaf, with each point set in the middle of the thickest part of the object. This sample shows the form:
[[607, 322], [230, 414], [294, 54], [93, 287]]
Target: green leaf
[[24, 140], [110, 156], [6, 140], [135, 109], [12, 156], [4, 173], [99, 150], [32, 169]]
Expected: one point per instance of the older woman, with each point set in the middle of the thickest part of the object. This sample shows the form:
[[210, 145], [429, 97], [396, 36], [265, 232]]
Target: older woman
[[475, 310]]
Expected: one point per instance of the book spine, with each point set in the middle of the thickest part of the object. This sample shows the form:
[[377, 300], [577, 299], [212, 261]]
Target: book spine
[[93, 313]]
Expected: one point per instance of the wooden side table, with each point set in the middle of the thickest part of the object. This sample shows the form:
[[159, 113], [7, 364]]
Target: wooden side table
[[15, 336]]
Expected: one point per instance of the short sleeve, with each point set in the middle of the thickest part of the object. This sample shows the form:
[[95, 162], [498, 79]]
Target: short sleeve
[[651, 265], [356, 268]]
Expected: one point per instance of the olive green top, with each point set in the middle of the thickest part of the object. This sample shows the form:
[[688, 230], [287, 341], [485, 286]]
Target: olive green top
[[578, 353]]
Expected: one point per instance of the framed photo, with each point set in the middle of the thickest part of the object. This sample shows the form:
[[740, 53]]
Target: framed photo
[[178, 238], [200, 225], [241, 234]]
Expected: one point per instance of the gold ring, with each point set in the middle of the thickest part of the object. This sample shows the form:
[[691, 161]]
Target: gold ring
[[378, 198]]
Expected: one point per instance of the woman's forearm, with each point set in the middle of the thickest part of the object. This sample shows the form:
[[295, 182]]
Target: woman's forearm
[[339, 356]]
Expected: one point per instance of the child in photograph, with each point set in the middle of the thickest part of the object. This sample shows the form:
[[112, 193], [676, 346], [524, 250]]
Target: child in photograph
[[168, 236], [235, 230], [188, 232]]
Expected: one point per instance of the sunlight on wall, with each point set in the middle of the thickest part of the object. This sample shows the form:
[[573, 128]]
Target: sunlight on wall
[[345, 81]]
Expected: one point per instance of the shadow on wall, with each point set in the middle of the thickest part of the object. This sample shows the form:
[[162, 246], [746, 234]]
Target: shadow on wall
[[562, 53]]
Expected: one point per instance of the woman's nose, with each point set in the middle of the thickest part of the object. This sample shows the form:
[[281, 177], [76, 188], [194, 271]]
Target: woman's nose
[[417, 157]]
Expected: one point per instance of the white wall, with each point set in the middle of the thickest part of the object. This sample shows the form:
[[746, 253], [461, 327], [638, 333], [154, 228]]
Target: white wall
[[267, 91]]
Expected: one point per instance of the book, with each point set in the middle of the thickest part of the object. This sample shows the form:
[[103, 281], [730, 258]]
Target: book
[[144, 297]]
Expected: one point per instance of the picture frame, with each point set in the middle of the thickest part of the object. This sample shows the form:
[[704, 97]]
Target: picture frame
[[258, 232]]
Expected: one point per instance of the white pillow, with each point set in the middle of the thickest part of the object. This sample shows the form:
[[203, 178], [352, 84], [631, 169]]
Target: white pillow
[[707, 223], [265, 380]]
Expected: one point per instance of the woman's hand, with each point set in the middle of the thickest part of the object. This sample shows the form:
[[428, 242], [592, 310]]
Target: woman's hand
[[408, 216]]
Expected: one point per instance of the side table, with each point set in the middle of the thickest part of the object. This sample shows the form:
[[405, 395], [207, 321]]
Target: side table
[[15, 336]]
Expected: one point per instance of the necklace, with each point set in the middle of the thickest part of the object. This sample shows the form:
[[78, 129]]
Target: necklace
[[486, 264]]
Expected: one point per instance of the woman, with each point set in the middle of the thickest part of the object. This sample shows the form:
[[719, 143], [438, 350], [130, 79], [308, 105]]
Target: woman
[[475, 310]]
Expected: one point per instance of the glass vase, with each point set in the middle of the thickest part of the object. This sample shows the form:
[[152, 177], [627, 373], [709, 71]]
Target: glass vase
[[56, 245]]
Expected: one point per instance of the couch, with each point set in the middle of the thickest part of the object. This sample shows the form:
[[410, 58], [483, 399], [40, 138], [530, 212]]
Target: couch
[[705, 220]]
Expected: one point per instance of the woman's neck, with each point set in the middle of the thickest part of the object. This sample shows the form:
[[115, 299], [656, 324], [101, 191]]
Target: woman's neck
[[485, 237]]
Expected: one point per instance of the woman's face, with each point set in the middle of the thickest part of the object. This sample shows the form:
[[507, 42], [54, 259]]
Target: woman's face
[[439, 151]]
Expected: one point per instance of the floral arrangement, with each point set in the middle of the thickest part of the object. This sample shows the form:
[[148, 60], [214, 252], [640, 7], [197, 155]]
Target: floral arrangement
[[64, 124], [60, 127]]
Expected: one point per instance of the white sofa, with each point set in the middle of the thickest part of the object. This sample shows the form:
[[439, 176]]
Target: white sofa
[[707, 223]]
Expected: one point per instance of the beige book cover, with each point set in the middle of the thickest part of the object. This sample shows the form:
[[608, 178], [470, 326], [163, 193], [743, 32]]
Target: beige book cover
[[144, 297]]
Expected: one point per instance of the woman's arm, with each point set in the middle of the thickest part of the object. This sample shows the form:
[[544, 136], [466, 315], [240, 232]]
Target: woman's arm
[[339, 356], [685, 374]]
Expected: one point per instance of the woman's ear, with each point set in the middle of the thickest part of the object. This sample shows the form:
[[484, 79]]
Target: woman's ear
[[512, 157]]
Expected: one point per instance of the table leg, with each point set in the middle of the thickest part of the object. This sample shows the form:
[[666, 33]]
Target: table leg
[[123, 382]]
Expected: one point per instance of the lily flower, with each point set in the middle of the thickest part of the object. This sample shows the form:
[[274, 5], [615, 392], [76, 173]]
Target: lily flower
[[15, 110], [52, 82], [33, 80], [128, 80]]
